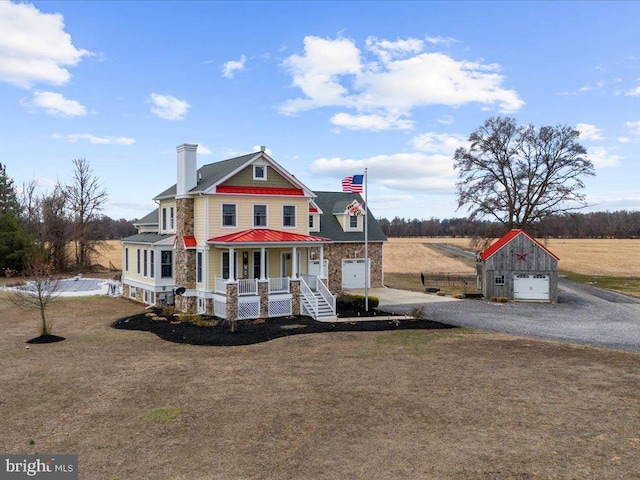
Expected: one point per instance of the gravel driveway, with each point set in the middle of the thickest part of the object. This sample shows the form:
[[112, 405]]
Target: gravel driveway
[[583, 315]]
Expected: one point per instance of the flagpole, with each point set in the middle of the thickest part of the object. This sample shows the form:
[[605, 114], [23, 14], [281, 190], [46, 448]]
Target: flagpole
[[366, 244]]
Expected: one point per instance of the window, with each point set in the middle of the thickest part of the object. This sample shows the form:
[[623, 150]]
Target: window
[[138, 271], [259, 172], [152, 265], [228, 215], [259, 215], [288, 216], [166, 267], [257, 266], [225, 263], [132, 292], [172, 223], [353, 222], [126, 259], [499, 280], [199, 267], [164, 218], [311, 222], [145, 264]]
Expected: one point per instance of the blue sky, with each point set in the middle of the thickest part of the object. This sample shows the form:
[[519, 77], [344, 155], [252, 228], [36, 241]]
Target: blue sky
[[329, 87]]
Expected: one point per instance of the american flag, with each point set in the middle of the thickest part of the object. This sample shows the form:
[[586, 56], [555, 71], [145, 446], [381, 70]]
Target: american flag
[[353, 184]]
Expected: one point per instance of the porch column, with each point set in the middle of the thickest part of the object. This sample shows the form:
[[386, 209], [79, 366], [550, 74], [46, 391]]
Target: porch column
[[294, 262], [263, 264], [232, 264], [321, 249]]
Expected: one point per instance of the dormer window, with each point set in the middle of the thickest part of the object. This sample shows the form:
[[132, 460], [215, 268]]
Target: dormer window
[[259, 172], [353, 222]]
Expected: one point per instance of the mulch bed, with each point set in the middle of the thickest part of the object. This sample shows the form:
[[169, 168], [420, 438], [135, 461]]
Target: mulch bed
[[46, 339], [249, 332]]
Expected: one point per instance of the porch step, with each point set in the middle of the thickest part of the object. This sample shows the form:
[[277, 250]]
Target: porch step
[[325, 312]]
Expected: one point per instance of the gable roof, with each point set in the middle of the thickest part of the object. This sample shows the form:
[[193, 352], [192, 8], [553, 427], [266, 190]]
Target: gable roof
[[508, 237], [336, 202], [213, 174]]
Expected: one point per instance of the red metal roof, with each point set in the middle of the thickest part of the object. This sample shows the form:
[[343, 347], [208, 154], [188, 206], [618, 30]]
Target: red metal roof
[[259, 190], [510, 235], [313, 210], [189, 241], [266, 235]]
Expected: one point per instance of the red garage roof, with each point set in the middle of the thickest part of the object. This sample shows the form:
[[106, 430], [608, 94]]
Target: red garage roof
[[259, 190], [266, 235], [506, 239]]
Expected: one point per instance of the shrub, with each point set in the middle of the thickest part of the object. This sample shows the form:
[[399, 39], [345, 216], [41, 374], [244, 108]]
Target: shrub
[[356, 301], [441, 294], [418, 312], [168, 310]]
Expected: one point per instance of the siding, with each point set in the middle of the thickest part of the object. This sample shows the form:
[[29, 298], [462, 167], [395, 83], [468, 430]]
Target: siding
[[244, 212], [199, 220], [244, 178]]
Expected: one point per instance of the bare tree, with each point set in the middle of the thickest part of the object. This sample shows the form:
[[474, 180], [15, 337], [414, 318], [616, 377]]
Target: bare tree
[[55, 232], [86, 198], [41, 290], [520, 175]]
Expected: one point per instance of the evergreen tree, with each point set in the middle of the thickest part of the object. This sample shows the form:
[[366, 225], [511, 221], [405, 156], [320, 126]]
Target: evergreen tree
[[8, 196]]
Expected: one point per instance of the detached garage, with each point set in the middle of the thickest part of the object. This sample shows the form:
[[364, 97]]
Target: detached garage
[[519, 267]]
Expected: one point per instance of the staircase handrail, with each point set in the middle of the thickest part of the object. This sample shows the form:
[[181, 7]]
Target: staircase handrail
[[308, 295], [327, 295]]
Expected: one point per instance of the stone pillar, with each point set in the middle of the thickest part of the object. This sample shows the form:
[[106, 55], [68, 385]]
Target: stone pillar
[[125, 290], [294, 285], [232, 301], [185, 260], [263, 292]]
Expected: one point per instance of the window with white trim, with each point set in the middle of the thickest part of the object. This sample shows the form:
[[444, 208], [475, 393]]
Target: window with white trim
[[152, 264], [199, 267], [288, 215], [164, 218], [166, 261], [126, 259], [132, 292], [172, 220], [229, 214], [259, 172], [353, 222], [145, 264], [138, 258], [259, 215]]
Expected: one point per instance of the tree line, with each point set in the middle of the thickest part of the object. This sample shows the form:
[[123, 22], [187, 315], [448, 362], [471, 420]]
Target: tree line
[[62, 227], [618, 224]]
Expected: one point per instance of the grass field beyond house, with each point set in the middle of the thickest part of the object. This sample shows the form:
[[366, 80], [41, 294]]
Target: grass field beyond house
[[452, 403]]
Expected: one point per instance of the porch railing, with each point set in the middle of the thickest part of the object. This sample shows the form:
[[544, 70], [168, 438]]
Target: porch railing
[[221, 285], [279, 285], [311, 300], [248, 286], [326, 294]]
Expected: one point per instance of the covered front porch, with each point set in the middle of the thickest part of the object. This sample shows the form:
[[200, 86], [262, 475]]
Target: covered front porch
[[265, 273]]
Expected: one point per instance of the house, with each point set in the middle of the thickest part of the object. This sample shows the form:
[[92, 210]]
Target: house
[[519, 267], [243, 238]]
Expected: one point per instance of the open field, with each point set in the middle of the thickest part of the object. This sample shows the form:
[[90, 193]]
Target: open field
[[451, 404]]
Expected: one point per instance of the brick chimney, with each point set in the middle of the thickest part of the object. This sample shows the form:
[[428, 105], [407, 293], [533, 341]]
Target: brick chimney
[[187, 168]]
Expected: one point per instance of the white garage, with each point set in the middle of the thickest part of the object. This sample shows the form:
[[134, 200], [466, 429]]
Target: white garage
[[531, 287], [353, 273]]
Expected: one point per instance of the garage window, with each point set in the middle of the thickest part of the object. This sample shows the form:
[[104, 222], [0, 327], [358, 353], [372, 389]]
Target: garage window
[[499, 280]]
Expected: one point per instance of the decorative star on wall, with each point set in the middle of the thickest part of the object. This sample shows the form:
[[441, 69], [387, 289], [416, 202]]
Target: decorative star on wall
[[521, 256]]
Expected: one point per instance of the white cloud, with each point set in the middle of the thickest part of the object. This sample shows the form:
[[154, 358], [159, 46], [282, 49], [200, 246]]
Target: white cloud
[[624, 139], [633, 92], [439, 40], [34, 48], [416, 172], [446, 119], [56, 104], [589, 132], [371, 122], [204, 150], [94, 139], [439, 143], [400, 78], [230, 68], [634, 127], [601, 158], [169, 107]]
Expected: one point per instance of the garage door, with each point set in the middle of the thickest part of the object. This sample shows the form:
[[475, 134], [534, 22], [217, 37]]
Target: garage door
[[353, 273], [531, 287]]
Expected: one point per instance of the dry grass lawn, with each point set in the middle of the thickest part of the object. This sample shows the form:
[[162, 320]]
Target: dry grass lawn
[[449, 404]]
